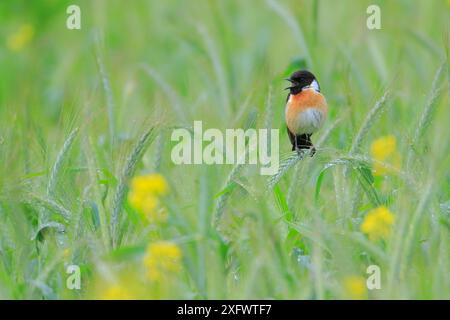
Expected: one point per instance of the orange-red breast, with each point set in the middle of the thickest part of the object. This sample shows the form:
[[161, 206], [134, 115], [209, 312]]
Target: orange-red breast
[[306, 109]]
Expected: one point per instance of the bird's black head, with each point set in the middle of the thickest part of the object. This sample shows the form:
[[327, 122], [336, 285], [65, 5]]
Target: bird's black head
[[302, 79]]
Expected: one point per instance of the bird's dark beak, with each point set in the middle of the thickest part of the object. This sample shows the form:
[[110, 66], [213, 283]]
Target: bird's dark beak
[[291, 81]]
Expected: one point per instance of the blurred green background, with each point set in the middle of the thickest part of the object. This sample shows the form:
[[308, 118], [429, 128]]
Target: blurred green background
[[151, 64]]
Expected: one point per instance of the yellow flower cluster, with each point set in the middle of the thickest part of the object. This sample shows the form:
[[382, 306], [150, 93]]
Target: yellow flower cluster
[[378, 223], [144, 196], [19, 39], [162, 258], [116, 292], [161, 263], [355, 287], [384, 149]]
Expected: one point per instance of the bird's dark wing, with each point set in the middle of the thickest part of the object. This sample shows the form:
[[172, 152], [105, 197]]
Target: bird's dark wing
[[291, 135], [292, 138]]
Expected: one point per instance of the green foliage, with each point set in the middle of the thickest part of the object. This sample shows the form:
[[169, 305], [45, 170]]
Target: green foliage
[[83, 111]]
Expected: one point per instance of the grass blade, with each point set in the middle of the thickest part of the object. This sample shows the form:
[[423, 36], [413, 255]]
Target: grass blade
[[294, 26], [172, 95]]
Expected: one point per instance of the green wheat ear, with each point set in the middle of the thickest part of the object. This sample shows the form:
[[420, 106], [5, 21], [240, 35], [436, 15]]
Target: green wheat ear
[[62, 155], [225, 194], [106, 84], [128, 171], [299, 170], [426, 116], [49, 204], [369, 121], [230, 181], [285, 165]]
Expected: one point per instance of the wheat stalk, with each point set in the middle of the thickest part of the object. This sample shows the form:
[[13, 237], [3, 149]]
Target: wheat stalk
[[269, 110], [291, 160], [175, 101], [109, 96], [50, 204], [219, 70], [414, 223], [95, 192], [293, 186], [295, 27], [128, 171], [370, 119], [426, 115], [159, 150], [222, 200], [53, 179]]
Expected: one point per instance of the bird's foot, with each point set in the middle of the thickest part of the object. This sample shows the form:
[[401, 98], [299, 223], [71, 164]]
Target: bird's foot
[[311, 149]]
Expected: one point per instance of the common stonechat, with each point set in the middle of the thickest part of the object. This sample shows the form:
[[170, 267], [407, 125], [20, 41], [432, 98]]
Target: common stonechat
[[306, 109]]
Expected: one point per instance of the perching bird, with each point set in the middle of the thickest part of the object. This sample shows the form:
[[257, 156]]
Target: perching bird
[[306, 109]]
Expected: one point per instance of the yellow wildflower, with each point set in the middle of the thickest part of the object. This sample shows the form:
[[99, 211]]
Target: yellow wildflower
[[384, 149], [19, 39], [116, 292], [162, 258], [144, 196], [355, 287], [152, 183], [66, 253], [378, 223]]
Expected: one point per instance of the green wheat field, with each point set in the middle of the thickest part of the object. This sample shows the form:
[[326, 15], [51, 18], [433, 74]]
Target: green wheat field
[[93, 207]]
